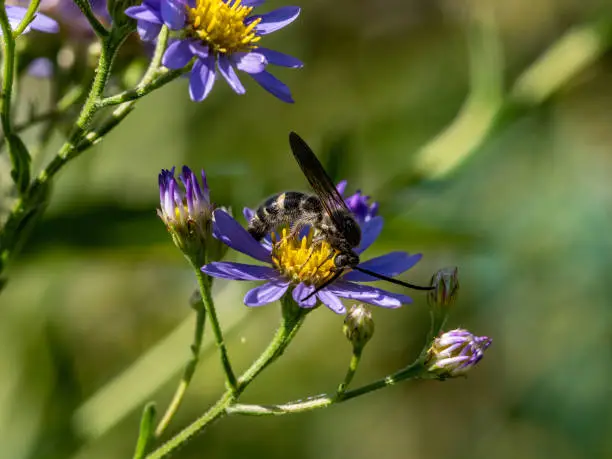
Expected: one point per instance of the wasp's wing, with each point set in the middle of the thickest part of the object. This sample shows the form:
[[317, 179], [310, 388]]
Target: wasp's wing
[[317, 177]]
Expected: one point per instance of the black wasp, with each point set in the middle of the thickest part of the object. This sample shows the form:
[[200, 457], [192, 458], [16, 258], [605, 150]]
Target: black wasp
[[325, 211]]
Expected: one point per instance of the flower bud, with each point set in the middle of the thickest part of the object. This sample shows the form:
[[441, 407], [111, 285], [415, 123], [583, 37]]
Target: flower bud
[[455, 352], [445, 285], [187, 213], [116, 10], [358, 326]]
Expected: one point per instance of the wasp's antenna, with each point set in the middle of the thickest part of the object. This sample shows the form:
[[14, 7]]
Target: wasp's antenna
[[390, 279], [336, 275]]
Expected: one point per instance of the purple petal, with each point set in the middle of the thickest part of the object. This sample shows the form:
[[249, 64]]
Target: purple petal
[[369, 294], [41, 68], [391, 265], [331, 301], [248, 214], [273, 85], [147, 30], [265, 293], [370, 231], [202, 78], [228, 72], [300, 292], [253, 3], [199, 49], [341, 187], [239, 271], [177, 55], [173, 13], [44, 24], [250, 62], [143, 13], [281, 59], [277, 19], [229, 231]]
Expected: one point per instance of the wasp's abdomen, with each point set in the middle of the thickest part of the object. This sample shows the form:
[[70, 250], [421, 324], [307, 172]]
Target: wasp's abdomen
[[285, 209]]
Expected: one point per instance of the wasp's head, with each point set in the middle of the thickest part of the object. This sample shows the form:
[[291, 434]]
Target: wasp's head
[[347, 227], [345, 260]]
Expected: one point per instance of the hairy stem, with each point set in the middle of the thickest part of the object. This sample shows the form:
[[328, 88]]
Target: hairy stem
[[189, 371], [291, 323], [209, 306], [350, 372]]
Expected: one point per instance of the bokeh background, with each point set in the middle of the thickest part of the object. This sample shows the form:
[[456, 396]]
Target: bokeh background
[[483, 128]]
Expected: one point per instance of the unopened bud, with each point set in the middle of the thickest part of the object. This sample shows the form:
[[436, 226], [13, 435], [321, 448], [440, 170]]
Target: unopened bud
[[358, 326], [445, 285], [455, 352], [116, 10]]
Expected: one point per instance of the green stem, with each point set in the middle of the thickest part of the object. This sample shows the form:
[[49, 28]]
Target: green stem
[[160, 47], [27, 18], [350, 373], [20, 158], [96, 25], [132, 94], [414, 371], [292, 321], [209, 306], [188, 372]]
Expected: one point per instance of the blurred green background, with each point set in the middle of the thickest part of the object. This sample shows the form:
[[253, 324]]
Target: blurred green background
[[484, 130]]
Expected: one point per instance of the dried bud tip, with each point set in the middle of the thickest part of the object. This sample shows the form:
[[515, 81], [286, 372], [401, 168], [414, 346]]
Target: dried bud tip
[[455, 352], [358, 326], [445, 285]]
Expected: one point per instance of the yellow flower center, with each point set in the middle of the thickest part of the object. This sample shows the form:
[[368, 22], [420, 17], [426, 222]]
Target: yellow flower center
[[301, 260], [221, 25]]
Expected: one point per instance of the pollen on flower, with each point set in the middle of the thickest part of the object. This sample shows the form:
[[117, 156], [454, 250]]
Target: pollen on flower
[[221, 25], [302, 260]]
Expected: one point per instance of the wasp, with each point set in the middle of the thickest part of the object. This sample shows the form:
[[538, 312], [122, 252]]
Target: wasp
[[325, 212]]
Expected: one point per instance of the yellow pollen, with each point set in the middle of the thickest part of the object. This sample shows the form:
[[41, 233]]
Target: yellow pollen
[[221, 25], [300, 260]]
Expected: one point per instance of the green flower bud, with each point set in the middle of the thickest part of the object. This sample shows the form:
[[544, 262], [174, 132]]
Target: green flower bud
[[445, 285], [358, 326], [116, 10]]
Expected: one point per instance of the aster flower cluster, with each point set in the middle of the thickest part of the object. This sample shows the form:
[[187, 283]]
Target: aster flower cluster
[[219, 36]]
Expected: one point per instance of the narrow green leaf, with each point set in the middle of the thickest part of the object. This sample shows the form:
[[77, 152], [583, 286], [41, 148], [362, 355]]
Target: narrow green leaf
[[147, 425]]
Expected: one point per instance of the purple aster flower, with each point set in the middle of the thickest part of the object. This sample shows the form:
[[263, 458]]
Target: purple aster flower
[[221, 35], [187, 213], [455, 352], [40, 22], [359, 204], [297, 264]]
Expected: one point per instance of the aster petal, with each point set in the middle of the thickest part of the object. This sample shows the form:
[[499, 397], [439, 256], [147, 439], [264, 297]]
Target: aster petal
[[148, 31], [202, 78], [143, 13], [229, 231], [369, 294], [277, 19], [253, 3], [341, 186], [177, 55], [266, 293], [248, 214], [280, 59], [300, 292], [44, 24], [173, 13], [331, 301], [391, 265], [228, 72], [370, 231], [199, 49], [273, 85], [239, 271], [41, 68], [250, 62]]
